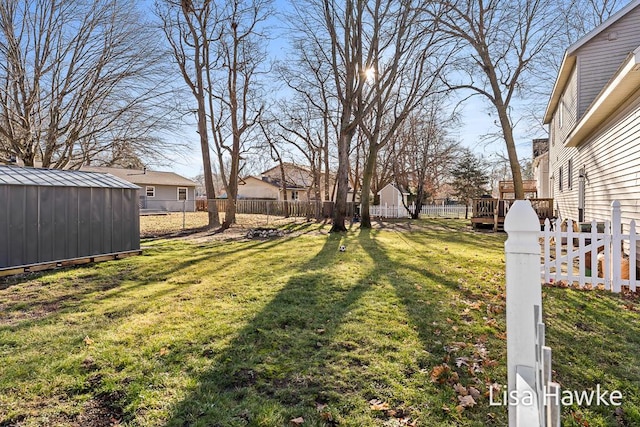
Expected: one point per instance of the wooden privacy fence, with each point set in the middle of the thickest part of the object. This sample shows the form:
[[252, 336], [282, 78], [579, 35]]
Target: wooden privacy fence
[[592, 258], [429, 211], [530, 390], [292, 208]]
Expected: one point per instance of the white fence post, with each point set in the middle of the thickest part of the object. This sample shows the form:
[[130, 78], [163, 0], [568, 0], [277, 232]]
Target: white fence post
[[522, 253], [616, 242]]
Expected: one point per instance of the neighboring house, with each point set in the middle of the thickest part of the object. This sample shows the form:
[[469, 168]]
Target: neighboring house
[[299, 184], [594, 122], [252, 187], [541, 167], [391, 195], [164, 191]]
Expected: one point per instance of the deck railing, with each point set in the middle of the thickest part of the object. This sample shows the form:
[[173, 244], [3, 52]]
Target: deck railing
[[490, 208]]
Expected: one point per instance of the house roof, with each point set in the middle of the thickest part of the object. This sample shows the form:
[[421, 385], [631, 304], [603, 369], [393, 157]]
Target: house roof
[[296, 176], [623, 86], [16, 175], [403, 191], [144, 177], [271, 181], [569, 59]]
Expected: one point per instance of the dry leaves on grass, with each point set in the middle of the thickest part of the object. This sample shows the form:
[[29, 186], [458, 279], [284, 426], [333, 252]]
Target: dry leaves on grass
[[297, 421]]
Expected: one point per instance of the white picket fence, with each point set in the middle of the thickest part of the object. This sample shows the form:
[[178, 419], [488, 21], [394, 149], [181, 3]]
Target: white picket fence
[[591, 259], [528, 358], [428, 211]]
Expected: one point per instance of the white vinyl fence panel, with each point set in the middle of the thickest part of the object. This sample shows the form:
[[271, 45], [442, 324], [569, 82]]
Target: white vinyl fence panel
[[427, 211], [591, 259]]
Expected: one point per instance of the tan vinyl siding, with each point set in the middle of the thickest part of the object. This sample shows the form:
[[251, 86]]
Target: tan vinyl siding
[[599, 59]]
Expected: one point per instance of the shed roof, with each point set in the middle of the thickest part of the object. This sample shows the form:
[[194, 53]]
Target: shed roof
[[16, 175], [144, 176]]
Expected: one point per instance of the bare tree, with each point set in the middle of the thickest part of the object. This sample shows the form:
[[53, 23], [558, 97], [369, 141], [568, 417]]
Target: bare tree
[[309, 117], [337, 30], [500, 42], [78, 80], [407, 57], [236, 55], [423, 154], [187, 28]]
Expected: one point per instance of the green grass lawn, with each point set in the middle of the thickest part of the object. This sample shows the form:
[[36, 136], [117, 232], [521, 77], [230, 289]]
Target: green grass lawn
[[407, 327]]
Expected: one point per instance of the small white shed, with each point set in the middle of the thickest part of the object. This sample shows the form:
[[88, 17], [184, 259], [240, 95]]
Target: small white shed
[[391, 195]]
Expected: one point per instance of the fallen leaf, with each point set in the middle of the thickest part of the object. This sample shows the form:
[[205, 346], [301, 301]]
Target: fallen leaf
[[466, 401], [462, 361], [326, 416], [460, 409], [163, 351], [296, 421], [88, 341], [460, 389], [438, 373], [378, 405], [474, 392]]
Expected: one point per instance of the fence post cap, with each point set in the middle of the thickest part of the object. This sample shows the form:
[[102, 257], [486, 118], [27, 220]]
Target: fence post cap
[[615, 204], [521, 217]]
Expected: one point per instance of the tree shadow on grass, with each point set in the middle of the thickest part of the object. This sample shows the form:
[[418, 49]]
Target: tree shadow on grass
[[45, 295], [430, 300], [278, 366]]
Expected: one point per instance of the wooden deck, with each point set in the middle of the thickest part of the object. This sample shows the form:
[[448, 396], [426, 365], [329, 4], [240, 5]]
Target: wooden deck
[[491, 212]]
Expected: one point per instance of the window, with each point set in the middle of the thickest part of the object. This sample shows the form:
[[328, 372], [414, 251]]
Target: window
[[570, 174], [182, 193], [294, 195], [151, 191], [560, 114], [560, 179]]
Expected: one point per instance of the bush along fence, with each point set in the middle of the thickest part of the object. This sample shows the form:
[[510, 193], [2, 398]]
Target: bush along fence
[[593, 258], [530, 396]]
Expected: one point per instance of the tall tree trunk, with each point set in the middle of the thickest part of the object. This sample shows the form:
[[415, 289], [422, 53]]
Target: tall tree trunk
[[212, 207], [340, 211], [367, 175], [232, 185]]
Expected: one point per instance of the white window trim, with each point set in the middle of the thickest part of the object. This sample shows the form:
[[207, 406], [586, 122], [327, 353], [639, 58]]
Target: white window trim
[[153, 190], [186, 193]]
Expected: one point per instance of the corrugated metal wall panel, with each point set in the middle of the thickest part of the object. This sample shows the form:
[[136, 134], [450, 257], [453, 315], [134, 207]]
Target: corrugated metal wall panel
[[4, 226], [117, 230], [72, 223], [60, 222], [47, 206], [84, 221], [17, 225], [31, 218], [107, 220]]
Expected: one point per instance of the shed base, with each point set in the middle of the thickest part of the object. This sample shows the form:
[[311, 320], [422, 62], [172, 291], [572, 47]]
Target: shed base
[[9, 271]]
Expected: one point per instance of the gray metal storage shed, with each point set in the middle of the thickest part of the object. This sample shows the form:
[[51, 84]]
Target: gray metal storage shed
[[49, 215]]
